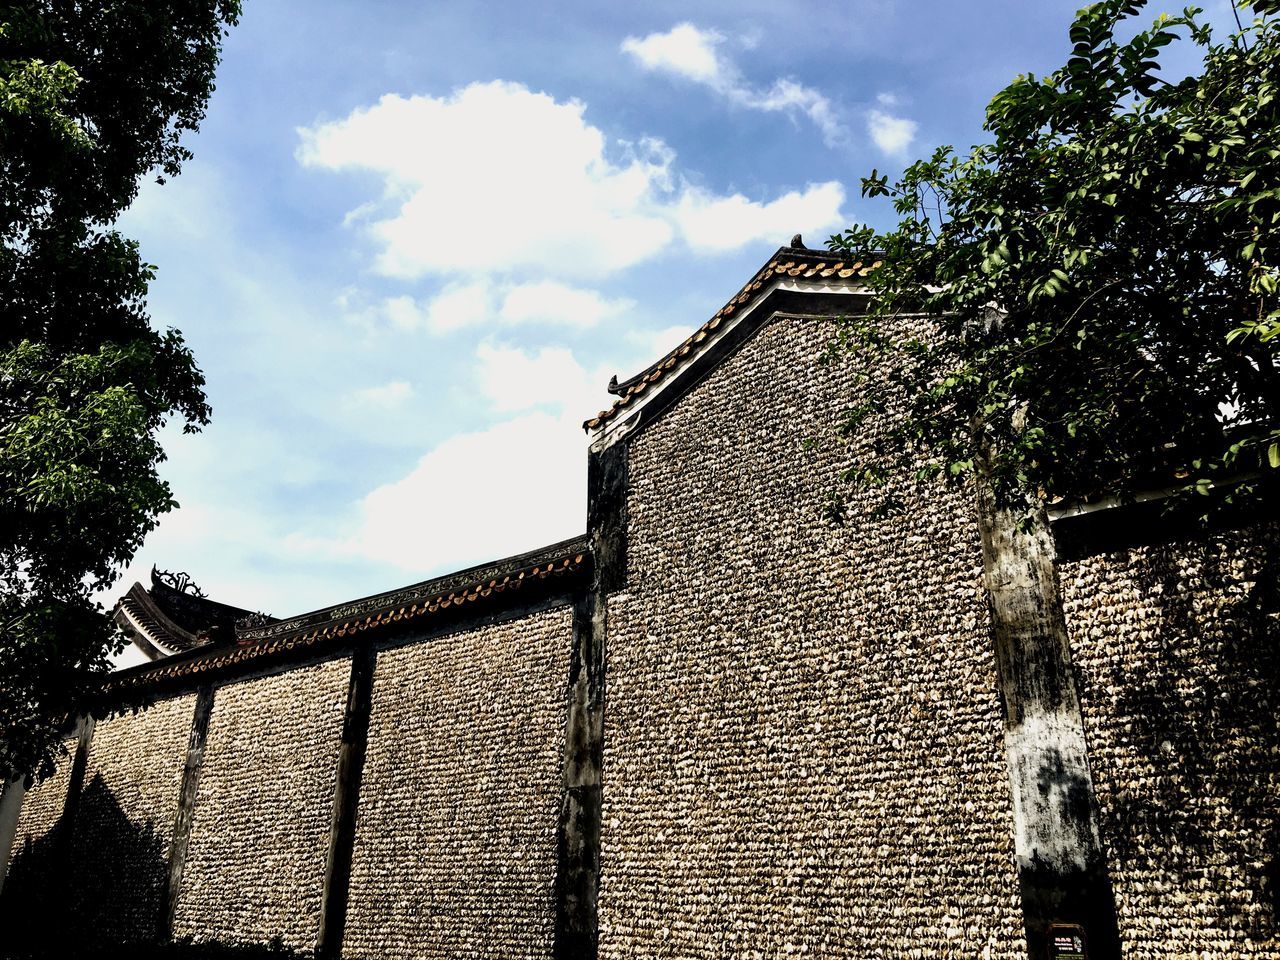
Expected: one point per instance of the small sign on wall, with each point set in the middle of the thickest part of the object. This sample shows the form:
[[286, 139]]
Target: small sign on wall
[[1067, 942]]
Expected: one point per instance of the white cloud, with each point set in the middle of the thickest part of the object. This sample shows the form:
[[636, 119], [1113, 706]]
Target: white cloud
[[389, 396], [487, 305], [514, 486], [513, 380], [497, 177], [723, 223], [683, 50], [787, 95], [891, 134], [402, 313], [655, 344], [459, 306], [551, 302], [694, 54], [499, 181]]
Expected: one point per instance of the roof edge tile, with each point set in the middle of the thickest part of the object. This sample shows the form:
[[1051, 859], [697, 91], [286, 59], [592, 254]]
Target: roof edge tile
[[790, 262]]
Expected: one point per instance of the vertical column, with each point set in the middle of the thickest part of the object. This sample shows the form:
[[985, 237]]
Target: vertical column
[[342, 831], [180, 840], [578, 830], [607, 516], [1062, 870]]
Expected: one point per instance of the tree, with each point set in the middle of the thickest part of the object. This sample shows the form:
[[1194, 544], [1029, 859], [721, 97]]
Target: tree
[[1103, 273], [93, 97], [1100, 285]]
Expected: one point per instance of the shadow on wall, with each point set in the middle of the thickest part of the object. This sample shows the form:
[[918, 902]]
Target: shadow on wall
[[93, 890], [1204, 723]]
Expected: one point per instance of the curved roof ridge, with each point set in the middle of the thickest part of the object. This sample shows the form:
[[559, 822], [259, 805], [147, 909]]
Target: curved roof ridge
[[792, 262], [137, 613]]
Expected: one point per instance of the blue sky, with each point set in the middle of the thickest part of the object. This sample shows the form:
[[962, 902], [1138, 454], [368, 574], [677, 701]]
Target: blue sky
[[416, 239]]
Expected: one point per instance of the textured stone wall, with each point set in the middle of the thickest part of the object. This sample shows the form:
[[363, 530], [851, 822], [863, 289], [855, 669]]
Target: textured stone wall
[[804, 748], [260, 834], [125, 820], [1177, 649], [42, 805], [39, 819], [455, 837]]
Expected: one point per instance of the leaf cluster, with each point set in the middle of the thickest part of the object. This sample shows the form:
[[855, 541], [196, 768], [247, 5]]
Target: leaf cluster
[[93, 97], [1100, 276]]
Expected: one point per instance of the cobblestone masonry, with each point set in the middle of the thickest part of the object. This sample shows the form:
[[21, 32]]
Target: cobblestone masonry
[[804, 748], [260, 834], [455, 837], [1178, 649], [125, 820], [41, 807]]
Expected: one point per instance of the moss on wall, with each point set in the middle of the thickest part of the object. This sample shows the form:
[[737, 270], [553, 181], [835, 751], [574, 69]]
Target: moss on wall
[[455, 838], [1178, 648], [804, 747], [260, 834]]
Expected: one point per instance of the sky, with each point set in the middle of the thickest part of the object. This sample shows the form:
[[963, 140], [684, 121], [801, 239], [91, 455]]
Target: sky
[[417, 239]]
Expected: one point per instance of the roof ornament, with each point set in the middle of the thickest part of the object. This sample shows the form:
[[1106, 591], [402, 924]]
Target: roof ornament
[[252, 620], [797, 243], [181, 582]]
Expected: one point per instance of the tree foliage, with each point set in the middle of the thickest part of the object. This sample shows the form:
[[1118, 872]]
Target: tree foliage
[[1100, 278], [93, 97]]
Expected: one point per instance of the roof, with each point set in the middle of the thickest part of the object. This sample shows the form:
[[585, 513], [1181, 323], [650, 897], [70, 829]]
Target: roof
[[162, 616], [793, 262], [420, 599], [173, 616], [472, 588]]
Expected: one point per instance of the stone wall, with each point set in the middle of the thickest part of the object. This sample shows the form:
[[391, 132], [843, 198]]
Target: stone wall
[[455, 839], [260, 834], [804, 747], [803, 739], [1177, 649], [33, 877], [125, 820], [42, 805]]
